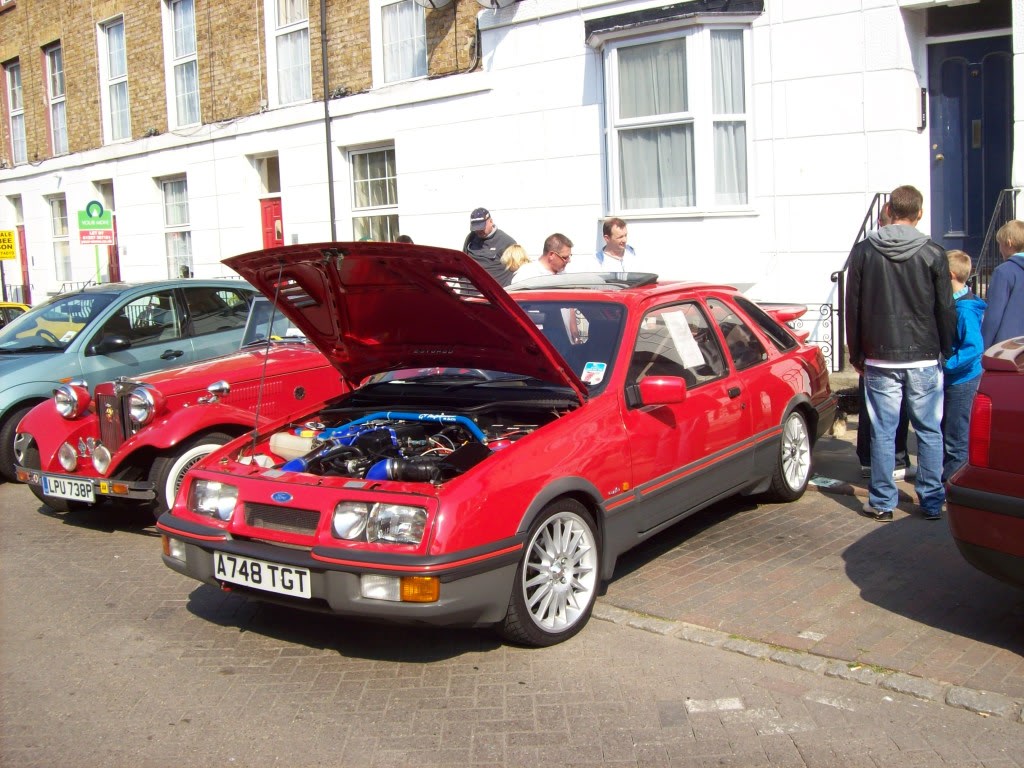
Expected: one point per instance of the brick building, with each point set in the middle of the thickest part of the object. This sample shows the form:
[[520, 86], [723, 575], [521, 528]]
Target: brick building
[[743, 140]]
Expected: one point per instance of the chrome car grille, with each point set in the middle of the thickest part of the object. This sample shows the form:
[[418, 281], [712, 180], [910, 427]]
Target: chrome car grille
[[284, 519], [114, 422]]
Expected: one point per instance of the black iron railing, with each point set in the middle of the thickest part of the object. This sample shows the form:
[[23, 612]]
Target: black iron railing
[[839, 276], [990, 257]]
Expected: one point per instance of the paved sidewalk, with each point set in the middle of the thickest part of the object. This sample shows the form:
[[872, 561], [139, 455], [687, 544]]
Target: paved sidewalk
[[817, 578]]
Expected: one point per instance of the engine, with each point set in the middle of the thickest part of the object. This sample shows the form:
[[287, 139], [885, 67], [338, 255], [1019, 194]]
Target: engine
[[413, 447]]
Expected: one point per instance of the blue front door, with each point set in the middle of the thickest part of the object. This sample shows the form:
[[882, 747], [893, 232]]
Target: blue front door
[[970, 86]]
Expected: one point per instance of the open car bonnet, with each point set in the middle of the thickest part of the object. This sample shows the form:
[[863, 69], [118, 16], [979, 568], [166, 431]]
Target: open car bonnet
[[376, 307]]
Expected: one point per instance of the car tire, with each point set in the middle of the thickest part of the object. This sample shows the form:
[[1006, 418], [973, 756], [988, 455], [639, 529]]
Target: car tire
[[7, 433], [30, 460], [557, 579], [793, 464], [169, 469]]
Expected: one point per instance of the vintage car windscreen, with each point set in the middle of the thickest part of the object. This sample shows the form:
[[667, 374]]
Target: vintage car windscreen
[[266, 323]]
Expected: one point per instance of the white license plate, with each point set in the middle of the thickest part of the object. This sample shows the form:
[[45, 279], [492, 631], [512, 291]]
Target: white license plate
[[259, 574], [68, 488]]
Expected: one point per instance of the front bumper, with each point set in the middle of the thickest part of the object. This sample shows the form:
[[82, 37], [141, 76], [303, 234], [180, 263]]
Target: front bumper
[[470, 595], [140, 490]]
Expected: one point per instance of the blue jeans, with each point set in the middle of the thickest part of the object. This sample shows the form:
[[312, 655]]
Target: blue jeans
[[956, 424], [921, 388]]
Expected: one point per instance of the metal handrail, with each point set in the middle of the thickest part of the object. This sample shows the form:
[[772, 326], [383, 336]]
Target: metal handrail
[[869, 223], [989, 258]]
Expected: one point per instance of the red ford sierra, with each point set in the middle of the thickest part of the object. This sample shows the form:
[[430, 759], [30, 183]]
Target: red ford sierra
[[498, 450]]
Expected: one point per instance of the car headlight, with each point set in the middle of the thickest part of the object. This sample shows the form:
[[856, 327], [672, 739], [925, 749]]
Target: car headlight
[[349, 520], [101, 458], [213, 499], [143, 405], [68, 457], [71, 400], [394, 523]]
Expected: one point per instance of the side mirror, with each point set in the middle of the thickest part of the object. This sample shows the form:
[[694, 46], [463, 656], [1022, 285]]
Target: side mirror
[[659, 390], [110, 344]]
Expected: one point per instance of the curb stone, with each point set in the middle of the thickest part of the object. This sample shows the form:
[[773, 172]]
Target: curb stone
[[982, 702]]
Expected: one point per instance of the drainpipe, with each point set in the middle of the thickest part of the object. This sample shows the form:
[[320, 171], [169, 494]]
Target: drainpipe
[[327, 116]]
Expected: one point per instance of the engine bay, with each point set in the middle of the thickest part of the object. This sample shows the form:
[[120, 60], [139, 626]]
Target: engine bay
[[399, 445]]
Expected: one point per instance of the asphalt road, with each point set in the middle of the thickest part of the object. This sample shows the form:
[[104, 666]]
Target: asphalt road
[[110, 659]]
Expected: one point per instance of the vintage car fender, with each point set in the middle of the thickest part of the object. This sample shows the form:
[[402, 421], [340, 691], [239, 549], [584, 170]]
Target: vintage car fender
[[49, 430]]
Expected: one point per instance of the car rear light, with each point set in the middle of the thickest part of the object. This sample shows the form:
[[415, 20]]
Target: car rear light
[[980, 440]]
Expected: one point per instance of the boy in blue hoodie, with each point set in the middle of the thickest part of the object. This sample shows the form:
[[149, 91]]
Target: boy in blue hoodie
[[962, 369]]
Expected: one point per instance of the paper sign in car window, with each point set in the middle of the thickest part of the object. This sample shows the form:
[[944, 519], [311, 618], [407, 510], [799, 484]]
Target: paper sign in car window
[[686, 345], [593, 373]]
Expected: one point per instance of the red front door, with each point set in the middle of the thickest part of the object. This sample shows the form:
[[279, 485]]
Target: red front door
[[26, 296], [273, 227]]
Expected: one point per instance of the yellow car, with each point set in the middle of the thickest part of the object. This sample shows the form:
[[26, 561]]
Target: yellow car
[[10, 310]]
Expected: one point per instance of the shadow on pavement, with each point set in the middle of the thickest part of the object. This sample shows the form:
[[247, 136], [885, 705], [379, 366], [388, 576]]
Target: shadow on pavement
[[912, 568], [106, 517], [348, 637]]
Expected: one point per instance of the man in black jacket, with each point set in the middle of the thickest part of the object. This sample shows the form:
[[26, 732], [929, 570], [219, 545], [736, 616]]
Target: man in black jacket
[[900, 320]]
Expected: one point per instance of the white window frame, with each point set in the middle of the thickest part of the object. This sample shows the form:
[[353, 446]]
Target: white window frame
[[56, 94], [278, 31], [180, 54], [61, 238], [382, 74], [16, 111], [177, 224], [365, 209], [114, 80], [698, 113]]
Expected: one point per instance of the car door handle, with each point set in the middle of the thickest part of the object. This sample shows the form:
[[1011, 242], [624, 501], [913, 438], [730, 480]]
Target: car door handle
[[733, 392], [170, 354]]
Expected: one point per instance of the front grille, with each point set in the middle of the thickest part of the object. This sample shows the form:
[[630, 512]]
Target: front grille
[[113, 416], [284, 519]]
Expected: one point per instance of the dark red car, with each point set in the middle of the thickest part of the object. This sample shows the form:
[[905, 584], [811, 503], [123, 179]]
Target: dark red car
[[503, 449], [134, 439], [985, 497]]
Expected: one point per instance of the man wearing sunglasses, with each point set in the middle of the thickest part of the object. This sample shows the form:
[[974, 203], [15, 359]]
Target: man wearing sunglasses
[[557, 252]]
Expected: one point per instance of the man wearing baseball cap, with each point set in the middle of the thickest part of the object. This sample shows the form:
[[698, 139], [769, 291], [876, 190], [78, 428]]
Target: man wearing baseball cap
[[485, 243]]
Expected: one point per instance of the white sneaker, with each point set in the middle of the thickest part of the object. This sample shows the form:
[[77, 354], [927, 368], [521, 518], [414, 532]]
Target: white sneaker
[[904, 473]]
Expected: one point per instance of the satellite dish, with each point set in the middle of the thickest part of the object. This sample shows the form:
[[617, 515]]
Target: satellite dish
[[494, 5], [435, 4]]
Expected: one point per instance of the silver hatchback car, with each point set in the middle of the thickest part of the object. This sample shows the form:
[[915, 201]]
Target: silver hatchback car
[[116, 329]]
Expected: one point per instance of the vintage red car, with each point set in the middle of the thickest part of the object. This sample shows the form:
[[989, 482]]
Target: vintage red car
[[985, 497], [527, 440], [134, 439]]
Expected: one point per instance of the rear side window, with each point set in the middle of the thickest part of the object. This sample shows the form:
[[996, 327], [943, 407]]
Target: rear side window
[[781, 338], [216, 308], [744, 347]]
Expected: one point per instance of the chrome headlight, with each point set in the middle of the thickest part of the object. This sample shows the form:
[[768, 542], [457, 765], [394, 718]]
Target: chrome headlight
[[71, 400], [141, 405], [213, 499], [101, 458], [394, 523], [68, 457]]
